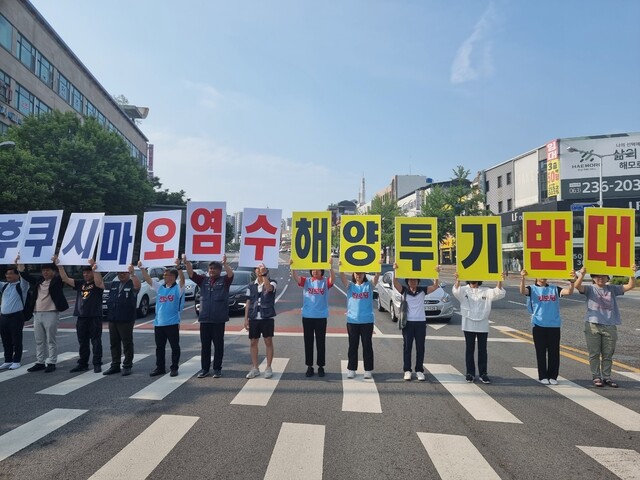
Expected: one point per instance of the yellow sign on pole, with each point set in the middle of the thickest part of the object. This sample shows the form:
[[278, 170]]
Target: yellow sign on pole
[[479, 248], [360, 243], [416, 247], [609, 235], [548, 244], [311, 240]]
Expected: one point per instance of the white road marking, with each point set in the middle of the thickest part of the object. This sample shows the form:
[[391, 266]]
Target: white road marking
[[140, 457], [282, 293], [167, 384], [24, 435], [358, 394], [503, 328], [79, 381], [377, 330], [623, 417], [470, 396], [9, 374], [517, 303], [257, 391], [455, 457], [298, 453], [436, 326], [619, 461], [633, 376], [138, 325]]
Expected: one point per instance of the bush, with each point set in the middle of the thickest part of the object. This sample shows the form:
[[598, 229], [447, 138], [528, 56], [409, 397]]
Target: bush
[[619, 280]]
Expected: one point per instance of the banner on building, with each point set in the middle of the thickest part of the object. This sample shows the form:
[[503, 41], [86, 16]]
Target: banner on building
[[80, 239], [548, 244], [360, 243], [311, 240], [260, 237], [11, 228], [479, 248], [115, 248], [40, 235], [416, 242], [206, 230], [609, 235], [553, 170]]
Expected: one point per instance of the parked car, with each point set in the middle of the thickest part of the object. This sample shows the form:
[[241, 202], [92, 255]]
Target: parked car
[[146, 295], [437, 305], [384, 268], [238, 291]]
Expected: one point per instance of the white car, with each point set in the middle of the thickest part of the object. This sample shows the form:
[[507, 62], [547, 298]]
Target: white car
[[146, 295], [437, 305]]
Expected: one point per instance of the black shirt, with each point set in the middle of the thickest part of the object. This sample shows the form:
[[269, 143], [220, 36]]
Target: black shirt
[[88, 299]]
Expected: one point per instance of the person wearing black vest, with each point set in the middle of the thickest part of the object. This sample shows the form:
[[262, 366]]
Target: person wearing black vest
[[46, 305], [122, 315], [214, 313], [258, 318]]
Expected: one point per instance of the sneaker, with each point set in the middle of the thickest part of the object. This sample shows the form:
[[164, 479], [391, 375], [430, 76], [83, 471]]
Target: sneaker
[[469, 378], [173, 372], [111, 371], [97, 368], [126, 371], [545, 381], [157, 371], [484, 378], [202, 373], [367, 375], [309, 372], [15, 366], [553, 381], [321, 371], [420, 376], [351, 374], [217, 373], [36, 367], [51, 367], [79, 368], [268, 373], [407, 376], [5, 365], [253, 373]]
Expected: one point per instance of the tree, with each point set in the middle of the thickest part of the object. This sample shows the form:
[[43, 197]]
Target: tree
[[446, 203], [388, 209], [229, 234], [63, 162], [165, 197]]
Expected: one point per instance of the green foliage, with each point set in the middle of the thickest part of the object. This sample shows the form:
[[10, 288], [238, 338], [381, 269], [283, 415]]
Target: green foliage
[[388, 209], [165, 197], [457, 200], [229, 234], [619, 280]]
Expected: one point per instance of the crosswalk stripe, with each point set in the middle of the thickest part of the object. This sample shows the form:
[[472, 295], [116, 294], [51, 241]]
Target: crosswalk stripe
[[79, 381], [24, 435], [167, 384], [455, 457], [621, 462], [631, 375], [259, 390], [623, 417], [470, 396], [358, 394], [298, 453], [140, 457], [9, 374], [437, 326]]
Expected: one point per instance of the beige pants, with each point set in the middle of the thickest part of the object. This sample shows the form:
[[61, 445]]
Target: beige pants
[[45, 329], [601, 343]]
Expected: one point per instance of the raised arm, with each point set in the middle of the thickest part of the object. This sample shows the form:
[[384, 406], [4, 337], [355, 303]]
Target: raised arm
[[456, 283], [396, 283], [631, 284], [145, 273], [294, 274], [188, 265], [97, 276], [134, 277], [266, 282], [332, 275], [63, 273], [180, 274], [227, 267], [499, 285], [572, 280], [523, 289], [436, 281], [578, 285]]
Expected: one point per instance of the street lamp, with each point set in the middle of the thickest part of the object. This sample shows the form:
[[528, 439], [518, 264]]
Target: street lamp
[[601, 157], [8, 143]]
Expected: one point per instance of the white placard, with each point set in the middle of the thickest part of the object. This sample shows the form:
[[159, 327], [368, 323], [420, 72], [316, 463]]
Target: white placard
[[80, 238], [40, 235], [11, 229], [115, 249], [260, 237], [160, 238], [206, 230]]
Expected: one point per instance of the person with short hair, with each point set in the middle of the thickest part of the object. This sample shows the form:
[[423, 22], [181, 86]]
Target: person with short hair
[[166, 324], [48, 302], [88, 311], [14, 296], [601, 322], [259, 314]]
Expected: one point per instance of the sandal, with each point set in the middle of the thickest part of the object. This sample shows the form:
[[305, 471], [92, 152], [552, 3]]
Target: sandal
[[598, 382], [611, 383]]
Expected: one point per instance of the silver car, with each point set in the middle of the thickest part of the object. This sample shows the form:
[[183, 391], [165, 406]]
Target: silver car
[[437, 305]]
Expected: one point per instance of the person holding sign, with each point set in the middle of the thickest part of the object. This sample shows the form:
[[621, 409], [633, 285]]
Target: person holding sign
[[601, 321], [166, 325], [360, 319], [475, 307], [543, 303], [416, 328], [315, 310], [14, 295]]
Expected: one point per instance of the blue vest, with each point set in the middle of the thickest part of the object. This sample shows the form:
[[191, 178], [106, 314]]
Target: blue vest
[[168, 306], [360, 303], [214, 301], [265, 301], [122, 303], [315, 298], [544, 306]]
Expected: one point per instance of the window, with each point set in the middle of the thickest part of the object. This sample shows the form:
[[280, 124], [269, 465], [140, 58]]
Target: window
[[508, 178], [499, 181], [509, 205], [5, 87], [90, 109], [486, 186], [41, 107], [24, 100], [101, 120], [45, 71], [26, 53], [76, 99], [488, 208], [63, 88], [5, 33], [499, 206]]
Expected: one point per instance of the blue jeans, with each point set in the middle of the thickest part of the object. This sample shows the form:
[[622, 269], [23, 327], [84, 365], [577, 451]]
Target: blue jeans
[[414, 331]]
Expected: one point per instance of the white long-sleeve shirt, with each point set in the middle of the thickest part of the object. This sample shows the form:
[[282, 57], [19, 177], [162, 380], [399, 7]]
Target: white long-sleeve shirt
[[475, 306]]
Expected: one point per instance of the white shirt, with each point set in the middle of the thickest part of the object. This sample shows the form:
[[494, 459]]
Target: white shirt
[[475, 306]]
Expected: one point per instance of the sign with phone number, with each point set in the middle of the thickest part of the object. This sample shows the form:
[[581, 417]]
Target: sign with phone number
[[612, 187]]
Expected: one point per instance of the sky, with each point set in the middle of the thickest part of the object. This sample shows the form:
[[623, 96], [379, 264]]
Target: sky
[[288, 104]]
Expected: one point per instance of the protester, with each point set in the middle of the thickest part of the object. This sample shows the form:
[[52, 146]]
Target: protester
[[475, 307], [601, 322], [14, 296], [543, 303], [415, 331], [214, 313], [259, 316], [315, 311], [88, 311]]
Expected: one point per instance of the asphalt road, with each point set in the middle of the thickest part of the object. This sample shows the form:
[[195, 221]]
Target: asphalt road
[[307, 428]]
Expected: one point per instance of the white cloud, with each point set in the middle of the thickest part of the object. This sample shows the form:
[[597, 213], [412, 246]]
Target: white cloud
[[209, 96], [474, 58]]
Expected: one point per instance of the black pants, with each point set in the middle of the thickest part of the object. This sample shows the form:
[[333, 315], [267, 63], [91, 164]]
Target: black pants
[[547, 341], [11, 332], [162, 334], [413, 331], [360, 332], [314, 327], [470, 341], [121, 338], [89, 330], [211, 333]]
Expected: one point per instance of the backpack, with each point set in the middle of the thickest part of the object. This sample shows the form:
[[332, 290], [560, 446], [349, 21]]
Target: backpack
[[28, 306]]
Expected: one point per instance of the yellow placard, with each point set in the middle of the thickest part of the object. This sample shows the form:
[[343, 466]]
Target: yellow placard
[[548, 244], [553, 178], [479, 248], [360, 243], [416, 247], [609, 235], [311, 240]]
